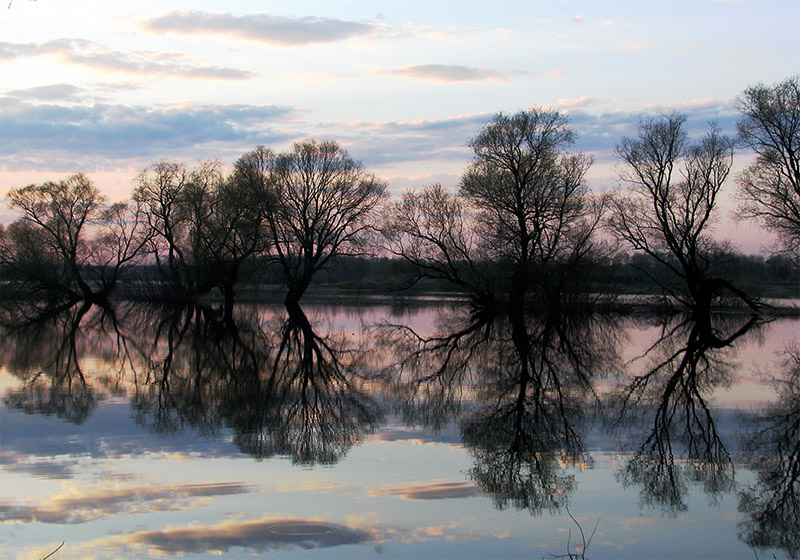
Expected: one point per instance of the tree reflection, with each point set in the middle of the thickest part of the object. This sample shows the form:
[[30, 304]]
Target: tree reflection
[[45, 352], [528, 381], [310, 404], [193, 361], [285, 390], [772, 504], [681, 443], [531, 424]]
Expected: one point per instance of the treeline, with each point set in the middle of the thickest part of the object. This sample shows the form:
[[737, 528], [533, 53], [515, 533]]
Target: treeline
[[523, 228]]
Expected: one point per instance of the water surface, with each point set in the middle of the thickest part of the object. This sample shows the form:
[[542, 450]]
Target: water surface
[[397, 431]]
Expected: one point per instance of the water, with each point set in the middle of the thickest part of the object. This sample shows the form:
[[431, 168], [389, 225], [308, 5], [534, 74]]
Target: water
[[400, 432]]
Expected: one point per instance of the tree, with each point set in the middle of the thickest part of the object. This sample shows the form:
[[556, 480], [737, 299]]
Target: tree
[[523, 221], [206, 227], [535, 208], [669, 208], [68, 243], [769, 189], [317, 203], [436, 233]]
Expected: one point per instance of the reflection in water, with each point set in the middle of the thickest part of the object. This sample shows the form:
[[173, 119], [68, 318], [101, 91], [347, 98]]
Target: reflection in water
[[285, 391], [523, 390], [45, 355], [309, 403], [681, 443], [529, 382], [772, 504], [259, 536]]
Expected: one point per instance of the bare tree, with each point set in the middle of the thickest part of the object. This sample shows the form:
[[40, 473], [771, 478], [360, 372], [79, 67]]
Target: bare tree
[[68, 243], [769, 189], [669, 208], [436, 233], [177, 205], [317, 202], [206, 227], [534, 204]]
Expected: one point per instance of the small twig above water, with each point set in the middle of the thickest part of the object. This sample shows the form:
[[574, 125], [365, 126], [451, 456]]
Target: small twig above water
[[585, 543]]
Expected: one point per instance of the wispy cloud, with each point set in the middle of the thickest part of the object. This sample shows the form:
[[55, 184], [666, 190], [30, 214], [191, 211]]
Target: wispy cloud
[[581, 101], [615, 21], [53, 92], [143, 63], [262, 28], [448, 73], [634, 46]]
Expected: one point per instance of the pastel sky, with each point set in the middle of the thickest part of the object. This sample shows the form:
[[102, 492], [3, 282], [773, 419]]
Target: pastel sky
[[106, 88]]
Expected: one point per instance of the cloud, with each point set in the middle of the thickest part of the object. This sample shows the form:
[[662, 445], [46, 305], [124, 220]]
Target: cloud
[[61, 92], [579, 19], [10, 51], [434, 491], [257, 536], [378, 143], [143, 63], [126, 133], [79, 508], [448, 73], [634, 46], [615, 21], [581, 101], [262, 28]]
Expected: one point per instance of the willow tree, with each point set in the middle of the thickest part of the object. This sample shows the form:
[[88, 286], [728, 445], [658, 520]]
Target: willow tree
[[670, 206], [317, 202]]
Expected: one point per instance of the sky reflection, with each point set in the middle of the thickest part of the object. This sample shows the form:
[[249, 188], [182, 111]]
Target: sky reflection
[[367, 443]]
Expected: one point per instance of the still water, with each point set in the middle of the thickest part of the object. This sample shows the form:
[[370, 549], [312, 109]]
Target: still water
[[413, 431]]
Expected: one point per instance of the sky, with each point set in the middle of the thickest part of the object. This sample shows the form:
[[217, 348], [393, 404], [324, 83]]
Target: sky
[[107, 88]]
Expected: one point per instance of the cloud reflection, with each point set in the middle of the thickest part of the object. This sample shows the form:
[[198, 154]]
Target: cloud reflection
[[14, 462], [80, 507], [433, 491], [258, 536]]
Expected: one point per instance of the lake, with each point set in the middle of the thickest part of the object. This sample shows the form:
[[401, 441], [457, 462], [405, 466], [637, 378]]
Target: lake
[[398, 431]]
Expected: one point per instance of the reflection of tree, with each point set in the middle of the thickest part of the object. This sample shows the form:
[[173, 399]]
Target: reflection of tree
[[193, 358], [537, 402], [532, 379], [682, 443], [45, 354], [308, 404], [772, 504], [289, 391]]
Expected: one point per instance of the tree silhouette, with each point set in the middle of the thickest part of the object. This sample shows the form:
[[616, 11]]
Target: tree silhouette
[[769, 189], [317, 203], [670, 206], [68, 244]]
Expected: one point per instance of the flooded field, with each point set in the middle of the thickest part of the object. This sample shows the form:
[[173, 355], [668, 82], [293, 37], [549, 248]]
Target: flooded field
[[416, 431]]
